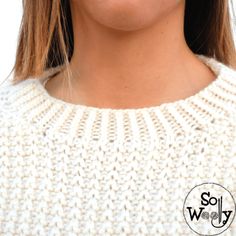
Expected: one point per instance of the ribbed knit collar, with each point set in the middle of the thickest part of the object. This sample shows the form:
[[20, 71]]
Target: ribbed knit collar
[[33, 103]]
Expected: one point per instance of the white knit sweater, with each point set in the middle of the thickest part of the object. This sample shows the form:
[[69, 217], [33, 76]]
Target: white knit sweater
[[69, 169]]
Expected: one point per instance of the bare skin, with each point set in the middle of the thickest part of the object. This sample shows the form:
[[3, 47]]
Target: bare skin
[[130, 54]]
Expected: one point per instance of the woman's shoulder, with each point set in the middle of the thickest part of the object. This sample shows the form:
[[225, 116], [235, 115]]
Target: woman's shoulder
[[7, 118], [15, 130], [5, 92], [226, 90], [9, 95]]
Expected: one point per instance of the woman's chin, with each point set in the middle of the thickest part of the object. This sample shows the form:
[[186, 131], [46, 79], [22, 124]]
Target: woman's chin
[[126, 15]]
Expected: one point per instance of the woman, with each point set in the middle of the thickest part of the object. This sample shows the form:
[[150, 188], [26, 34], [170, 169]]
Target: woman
[[116, 111]]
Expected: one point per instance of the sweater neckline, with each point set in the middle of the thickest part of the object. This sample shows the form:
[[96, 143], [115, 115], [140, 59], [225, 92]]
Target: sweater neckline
[[212, 63], [54, 116]]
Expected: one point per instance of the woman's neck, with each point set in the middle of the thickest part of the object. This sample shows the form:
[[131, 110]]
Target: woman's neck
[[122, 69]]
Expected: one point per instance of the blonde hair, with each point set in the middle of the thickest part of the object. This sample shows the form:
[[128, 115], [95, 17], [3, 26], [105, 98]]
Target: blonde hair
[[46, 34]]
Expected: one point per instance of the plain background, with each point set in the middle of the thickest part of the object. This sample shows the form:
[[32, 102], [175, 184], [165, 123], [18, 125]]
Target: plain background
[[10, 19]]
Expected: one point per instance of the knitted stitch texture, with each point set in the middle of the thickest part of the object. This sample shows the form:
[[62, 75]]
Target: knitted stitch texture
[[69, 169]]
